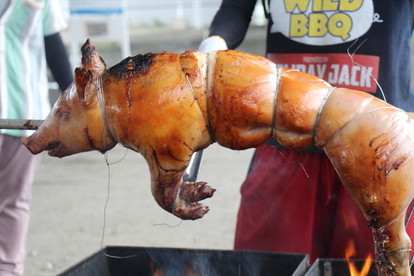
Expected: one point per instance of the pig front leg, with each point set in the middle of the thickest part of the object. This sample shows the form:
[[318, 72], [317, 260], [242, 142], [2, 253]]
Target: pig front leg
[[187, 206], [176, 196]]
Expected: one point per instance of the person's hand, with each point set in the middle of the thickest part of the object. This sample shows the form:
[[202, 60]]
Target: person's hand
[[212, 44]]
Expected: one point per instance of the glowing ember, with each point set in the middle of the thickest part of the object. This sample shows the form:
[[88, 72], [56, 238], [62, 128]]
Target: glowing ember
[[353, 271]]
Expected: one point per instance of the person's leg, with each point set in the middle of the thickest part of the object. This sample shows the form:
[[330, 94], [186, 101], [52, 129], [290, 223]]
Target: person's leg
[[351, 229], [289, 203], [280, 199], [17, 170]]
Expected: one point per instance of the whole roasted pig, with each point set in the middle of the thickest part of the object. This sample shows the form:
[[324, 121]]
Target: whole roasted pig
[[166, 106]]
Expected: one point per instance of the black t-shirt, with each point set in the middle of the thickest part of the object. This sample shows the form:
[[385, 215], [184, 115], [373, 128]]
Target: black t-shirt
[[354, 44]]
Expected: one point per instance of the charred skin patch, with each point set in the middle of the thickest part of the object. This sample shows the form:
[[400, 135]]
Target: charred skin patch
[[132, 66]]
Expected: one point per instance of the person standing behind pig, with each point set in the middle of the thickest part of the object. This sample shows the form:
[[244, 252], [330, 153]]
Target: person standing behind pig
[[29, 37], [294, 201]]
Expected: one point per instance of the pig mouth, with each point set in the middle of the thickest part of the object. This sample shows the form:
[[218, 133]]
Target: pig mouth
[[51, 147]]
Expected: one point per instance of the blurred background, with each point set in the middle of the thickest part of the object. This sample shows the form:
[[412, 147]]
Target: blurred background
[[148, 26]]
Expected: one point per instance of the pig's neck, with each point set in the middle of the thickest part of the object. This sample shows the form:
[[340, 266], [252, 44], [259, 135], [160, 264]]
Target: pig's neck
[[107, 139]]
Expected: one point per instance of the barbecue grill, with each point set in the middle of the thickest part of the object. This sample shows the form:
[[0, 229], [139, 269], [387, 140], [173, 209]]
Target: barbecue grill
[[126, 261]]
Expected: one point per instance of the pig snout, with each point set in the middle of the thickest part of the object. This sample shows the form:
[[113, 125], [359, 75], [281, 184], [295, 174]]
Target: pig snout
[[37, 144], [30, 145]]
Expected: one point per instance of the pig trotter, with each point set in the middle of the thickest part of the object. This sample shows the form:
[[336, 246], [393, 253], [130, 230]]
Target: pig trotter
[[176, 196], [195, 191], [188, 210], [186, 205]]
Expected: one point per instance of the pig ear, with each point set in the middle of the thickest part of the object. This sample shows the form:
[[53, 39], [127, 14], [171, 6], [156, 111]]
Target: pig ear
[[85, 85], [82, 77], [91, 60], [90, 91]]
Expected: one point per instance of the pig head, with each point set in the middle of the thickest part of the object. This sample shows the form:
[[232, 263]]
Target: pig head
[[75, 123], [147, 104]]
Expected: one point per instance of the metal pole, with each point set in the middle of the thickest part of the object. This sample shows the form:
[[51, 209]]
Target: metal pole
[[191, 172], [20, 124]]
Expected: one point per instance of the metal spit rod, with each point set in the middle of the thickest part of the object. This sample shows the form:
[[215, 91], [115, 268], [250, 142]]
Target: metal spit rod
[[20, 124]]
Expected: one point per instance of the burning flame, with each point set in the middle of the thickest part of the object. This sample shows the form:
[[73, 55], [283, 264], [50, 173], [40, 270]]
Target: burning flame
[[350, 251]]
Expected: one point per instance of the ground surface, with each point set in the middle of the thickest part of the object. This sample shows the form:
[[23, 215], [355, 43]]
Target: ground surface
[[70, 220]]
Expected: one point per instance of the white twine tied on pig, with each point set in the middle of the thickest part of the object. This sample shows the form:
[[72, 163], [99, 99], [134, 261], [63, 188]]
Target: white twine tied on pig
[[351, 57], [330, 90], [101, 103]]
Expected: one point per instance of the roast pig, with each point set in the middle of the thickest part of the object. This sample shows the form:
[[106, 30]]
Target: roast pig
[[167, 106]]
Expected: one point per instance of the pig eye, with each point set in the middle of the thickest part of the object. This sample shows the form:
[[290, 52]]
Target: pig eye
[[63, 113]]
